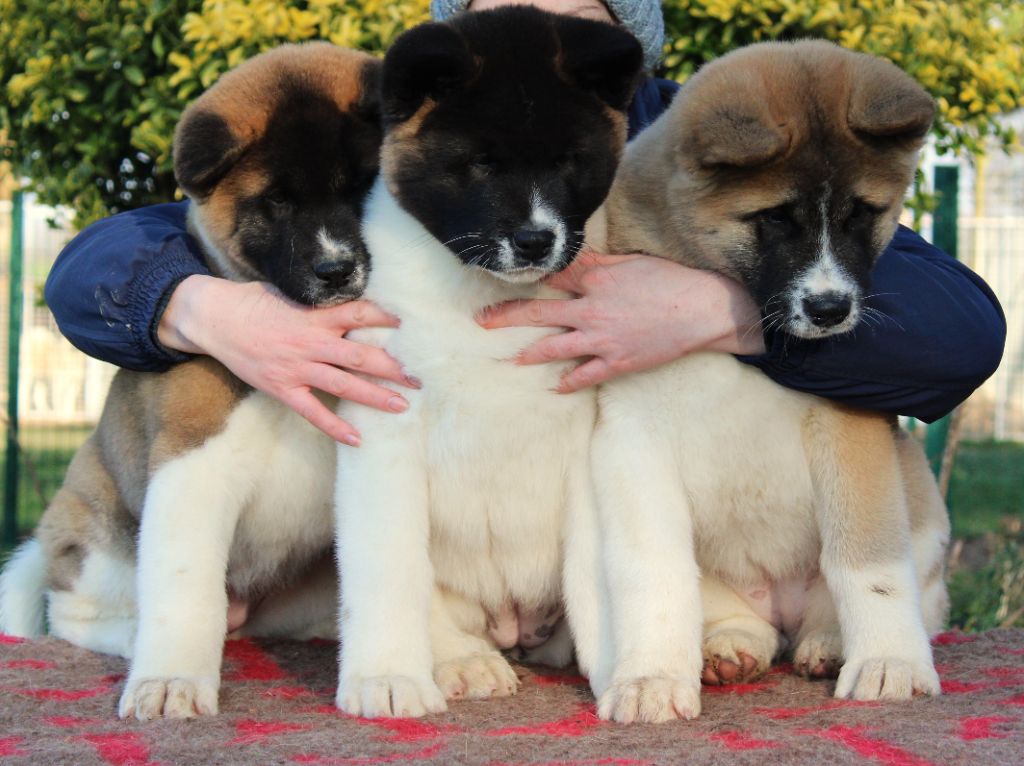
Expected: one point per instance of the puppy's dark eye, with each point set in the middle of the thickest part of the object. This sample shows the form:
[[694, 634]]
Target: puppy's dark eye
[[773, 219], [862, 210], [570, 158], [484, 164], [277, 201]]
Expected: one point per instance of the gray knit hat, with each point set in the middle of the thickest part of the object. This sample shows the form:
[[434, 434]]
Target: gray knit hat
[[641, 17]]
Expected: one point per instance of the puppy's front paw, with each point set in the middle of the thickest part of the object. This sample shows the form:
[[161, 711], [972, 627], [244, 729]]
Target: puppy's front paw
[[650, 700], [886, 678], [390, 697], [148, 698], [732, 655], [476, 677], [819, 654]]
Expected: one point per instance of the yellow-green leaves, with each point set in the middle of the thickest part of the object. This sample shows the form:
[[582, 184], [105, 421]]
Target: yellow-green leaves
[[969, 54]]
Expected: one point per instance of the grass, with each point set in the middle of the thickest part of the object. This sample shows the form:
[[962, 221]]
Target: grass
[[987, 487], [986, 498], [45, 454], [986, 578]]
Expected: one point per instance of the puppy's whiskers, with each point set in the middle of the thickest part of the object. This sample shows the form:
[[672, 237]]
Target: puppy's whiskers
[[881, 317]]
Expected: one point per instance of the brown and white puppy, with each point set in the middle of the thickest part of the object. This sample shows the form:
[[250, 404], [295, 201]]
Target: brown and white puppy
[[796, 519], [191, 479]]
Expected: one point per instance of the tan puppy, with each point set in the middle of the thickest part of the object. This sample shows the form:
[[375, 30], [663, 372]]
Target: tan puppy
[[192, 480], [783, 166]]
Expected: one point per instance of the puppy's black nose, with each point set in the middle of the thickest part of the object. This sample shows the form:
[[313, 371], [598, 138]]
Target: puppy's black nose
[[533, 244], [827, 309], [335, 273]]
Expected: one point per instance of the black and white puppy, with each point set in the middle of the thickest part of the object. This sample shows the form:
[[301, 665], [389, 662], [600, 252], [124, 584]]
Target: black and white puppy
[[502, 134]]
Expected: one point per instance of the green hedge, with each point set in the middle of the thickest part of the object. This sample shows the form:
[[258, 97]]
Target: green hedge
[[92, 89]]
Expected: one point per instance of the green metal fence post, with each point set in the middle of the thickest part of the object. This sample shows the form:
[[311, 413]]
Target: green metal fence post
[[944, 236], [12, 455]]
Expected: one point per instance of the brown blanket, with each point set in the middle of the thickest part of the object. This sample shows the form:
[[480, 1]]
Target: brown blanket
[[58, 707]]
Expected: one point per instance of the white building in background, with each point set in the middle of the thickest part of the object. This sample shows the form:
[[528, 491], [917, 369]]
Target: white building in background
[[991, 241], [57, 384]]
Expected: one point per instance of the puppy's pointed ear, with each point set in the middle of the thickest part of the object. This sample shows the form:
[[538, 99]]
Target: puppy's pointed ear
[[601, 58], [425, 62], [205, 149], [886, 103]]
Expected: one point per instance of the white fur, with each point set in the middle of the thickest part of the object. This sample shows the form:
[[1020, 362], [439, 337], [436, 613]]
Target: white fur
[[100, 612], [337, 250], [468, 490], [542, 216], [824, 275], [885, 646], [236, 492], [22, 585], [709, 446]]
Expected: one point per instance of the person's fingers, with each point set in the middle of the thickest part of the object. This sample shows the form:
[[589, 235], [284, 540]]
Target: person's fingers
[[348, 316], [563, 345], [534, 313], [366, 359], [305, 403], [352, 388], [590, 373]]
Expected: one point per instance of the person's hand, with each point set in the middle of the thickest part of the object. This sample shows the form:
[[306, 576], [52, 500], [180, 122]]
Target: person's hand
[[285, 349], [633, 312]]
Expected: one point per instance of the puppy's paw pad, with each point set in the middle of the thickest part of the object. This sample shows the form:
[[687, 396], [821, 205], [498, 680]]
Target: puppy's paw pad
[[650, 700], [735, 656], [819, 655], [886, 678], [390, 697], [479, 676], [149, 698]]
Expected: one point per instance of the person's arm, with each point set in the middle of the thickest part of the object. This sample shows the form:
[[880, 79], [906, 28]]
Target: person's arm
[[133, 290], [110, 284], [934, 331]]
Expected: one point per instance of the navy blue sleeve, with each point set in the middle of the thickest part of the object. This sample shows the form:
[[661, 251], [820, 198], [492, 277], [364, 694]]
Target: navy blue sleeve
[[110, 284], [933, 333], [652, 97]]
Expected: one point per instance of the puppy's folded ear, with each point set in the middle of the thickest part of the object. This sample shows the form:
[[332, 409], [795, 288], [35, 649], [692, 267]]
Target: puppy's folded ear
[[205, 149], [425, 62], [601, 58], [369, 89], [886, 103], [735, 133]]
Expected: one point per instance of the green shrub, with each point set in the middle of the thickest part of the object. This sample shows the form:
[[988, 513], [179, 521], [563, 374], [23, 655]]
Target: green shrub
[[969, 54], [92, 89], [991, 595]]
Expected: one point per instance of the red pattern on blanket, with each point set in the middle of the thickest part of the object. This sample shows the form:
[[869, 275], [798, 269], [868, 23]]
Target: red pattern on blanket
[[277, 708]]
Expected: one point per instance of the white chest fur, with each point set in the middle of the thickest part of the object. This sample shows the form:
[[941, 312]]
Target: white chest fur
[[733, 439], [491, 440]]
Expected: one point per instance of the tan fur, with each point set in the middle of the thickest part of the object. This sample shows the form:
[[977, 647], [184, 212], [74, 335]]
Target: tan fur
[[150, 419], [246, 98], [401, 143], [741, 135], [776, 108], [855, 456], [761, 115]]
